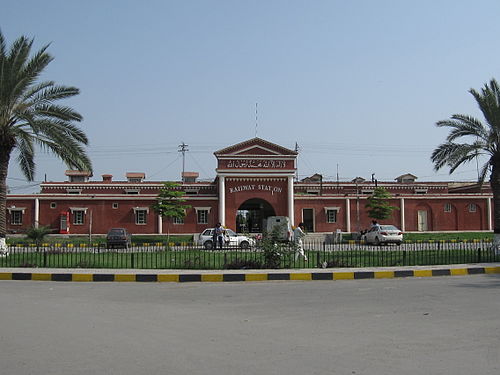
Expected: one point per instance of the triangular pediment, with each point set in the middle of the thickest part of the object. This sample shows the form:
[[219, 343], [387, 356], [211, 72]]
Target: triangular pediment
[[255, 146]]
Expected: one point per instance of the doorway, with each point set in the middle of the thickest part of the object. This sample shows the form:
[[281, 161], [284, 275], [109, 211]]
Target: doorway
[[308, 219], [422, 221], [251, 215]]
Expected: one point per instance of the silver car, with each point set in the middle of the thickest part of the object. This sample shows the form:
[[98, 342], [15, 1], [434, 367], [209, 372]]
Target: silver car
[[231, 239], [384, 234]]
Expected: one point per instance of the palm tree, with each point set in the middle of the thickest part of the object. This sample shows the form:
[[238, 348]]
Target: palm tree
[[30, 117], [479, 140]]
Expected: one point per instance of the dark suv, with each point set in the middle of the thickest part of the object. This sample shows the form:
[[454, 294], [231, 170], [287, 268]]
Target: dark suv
[[118, 237]]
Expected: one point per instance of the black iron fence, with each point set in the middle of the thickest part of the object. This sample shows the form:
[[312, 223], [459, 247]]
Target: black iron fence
[[189, 256]]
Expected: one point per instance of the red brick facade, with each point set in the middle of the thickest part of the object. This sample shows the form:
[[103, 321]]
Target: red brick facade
[[254, 176]]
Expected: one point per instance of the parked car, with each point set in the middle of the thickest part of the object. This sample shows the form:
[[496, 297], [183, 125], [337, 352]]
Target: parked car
[[118, 237], [384, 234], [231, 238]]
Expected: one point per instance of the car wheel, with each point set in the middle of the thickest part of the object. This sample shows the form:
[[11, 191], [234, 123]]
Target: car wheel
[[244, 244], [377, 241], [209, 245]]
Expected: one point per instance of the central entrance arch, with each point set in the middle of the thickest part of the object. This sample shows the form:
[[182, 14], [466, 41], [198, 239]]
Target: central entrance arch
[[251, 215]]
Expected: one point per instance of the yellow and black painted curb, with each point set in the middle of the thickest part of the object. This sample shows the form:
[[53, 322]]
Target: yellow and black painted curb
[[247, 276]]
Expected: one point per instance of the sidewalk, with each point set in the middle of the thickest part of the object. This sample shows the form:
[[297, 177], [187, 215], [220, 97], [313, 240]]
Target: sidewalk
[[153, 275]]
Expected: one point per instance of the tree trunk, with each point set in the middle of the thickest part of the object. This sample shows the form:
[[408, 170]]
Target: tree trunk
[[495, 187], [4, 166]]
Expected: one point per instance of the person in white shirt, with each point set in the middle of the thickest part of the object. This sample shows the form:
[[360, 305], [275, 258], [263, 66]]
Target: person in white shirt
[[298, 234]]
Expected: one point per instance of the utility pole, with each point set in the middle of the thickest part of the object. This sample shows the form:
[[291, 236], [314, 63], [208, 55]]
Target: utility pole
[[297, 162], [183, 148]]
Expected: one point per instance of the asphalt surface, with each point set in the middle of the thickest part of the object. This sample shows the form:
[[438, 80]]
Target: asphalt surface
[[432, 325]]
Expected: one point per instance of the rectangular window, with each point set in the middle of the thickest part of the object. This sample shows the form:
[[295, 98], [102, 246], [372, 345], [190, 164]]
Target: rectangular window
[[53, 205], [447, 207], [115, 205], [331, 216], [132, 191], [16, 217], [472, 207], [178, 220], [202, 216], [140, 217], [78, 217]]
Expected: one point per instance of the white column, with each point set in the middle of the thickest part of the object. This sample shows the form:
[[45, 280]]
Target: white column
[[291, 208], [490, 219], [222, 200], [348, 214], [160, 224], [402, 208], [37, 212]]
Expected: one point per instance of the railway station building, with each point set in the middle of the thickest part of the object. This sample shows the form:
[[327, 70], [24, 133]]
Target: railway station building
[[255, 179]]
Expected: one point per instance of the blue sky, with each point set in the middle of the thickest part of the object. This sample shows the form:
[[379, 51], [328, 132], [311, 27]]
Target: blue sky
[[358, 85]]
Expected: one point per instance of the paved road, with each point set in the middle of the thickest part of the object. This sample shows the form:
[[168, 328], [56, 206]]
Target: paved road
[[440, 325]]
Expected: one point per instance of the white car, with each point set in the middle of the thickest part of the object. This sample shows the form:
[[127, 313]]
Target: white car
[[384, 234], [231, 239]]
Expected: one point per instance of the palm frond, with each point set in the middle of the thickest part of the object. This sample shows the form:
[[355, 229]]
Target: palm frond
[[454, 154], [488, 101], [3, 47], [461, 128], [58, 111], [35, 89], [26, 155], [19, 53], [72, 153], [30, 113], [52, 93], [30, 72], [483, 172], [58, 130]]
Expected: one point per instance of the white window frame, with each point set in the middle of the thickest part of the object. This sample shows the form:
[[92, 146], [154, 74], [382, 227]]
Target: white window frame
[[141, 211], [114, 205], [178, 220], [74, 211], [336, 209], [78, 217], [472, 207], [16, 216], [199, 211], [448, 207]]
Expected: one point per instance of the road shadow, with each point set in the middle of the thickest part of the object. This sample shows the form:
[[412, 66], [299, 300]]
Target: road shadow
[[493, 281]]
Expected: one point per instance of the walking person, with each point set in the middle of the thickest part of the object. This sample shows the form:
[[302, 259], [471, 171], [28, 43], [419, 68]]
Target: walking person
[[218, 236], [298, 234]]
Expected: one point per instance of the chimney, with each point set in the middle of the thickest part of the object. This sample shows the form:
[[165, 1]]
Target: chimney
[[107, 177], [189, 176], [135, 176]]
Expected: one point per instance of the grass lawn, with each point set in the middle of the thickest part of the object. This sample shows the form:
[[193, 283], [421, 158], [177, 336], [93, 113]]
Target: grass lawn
[[153, 258], [459, 236], [188, 239], [97, 240]]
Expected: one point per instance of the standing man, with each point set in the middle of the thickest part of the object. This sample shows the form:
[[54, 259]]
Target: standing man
[[218, 236], [298, 234]]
